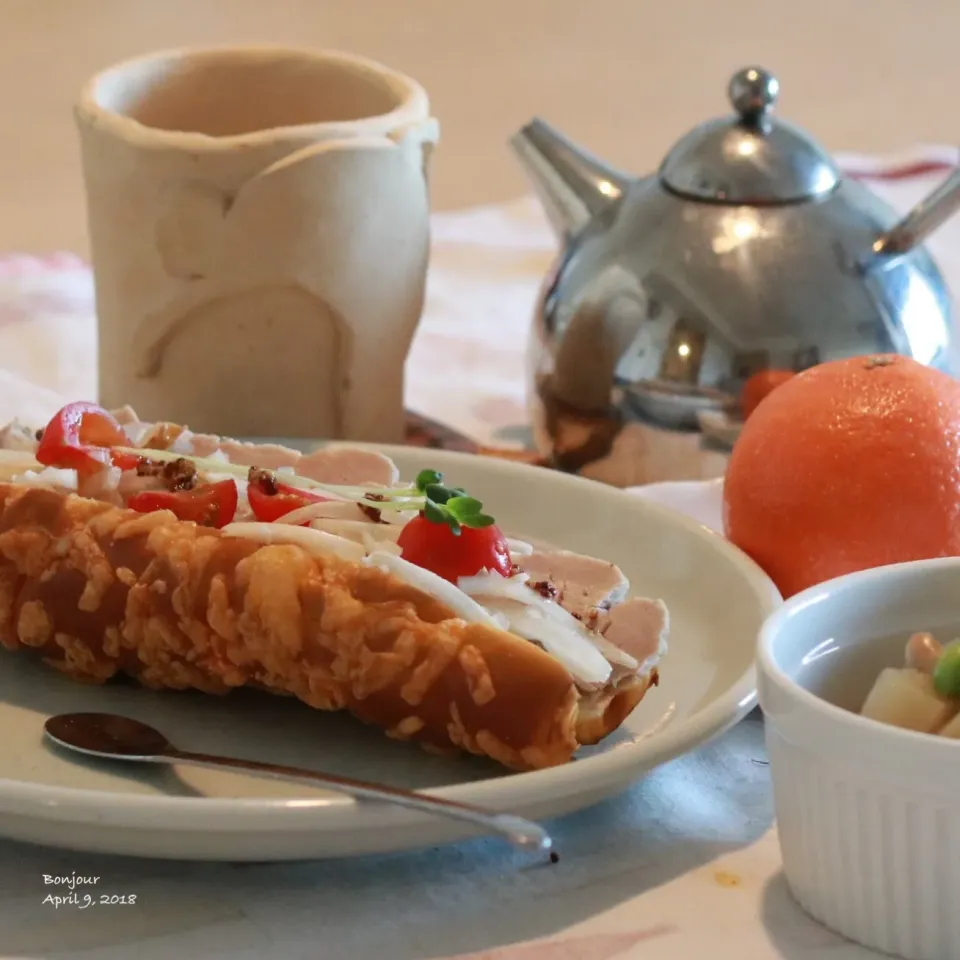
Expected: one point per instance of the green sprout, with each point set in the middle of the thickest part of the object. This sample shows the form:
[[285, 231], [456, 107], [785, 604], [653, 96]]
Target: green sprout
[[450, 505]]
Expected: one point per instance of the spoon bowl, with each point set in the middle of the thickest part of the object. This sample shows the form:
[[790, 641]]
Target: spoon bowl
[[106, 735]]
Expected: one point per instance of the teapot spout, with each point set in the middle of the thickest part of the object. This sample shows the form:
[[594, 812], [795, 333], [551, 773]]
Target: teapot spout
[[573, 186]]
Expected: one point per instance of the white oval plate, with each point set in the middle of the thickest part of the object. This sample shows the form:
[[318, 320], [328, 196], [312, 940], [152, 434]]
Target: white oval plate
[[717, 600]]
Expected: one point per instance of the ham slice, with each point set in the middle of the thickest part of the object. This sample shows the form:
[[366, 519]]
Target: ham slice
[[349, 465], [335, 465], [583, 584], [638, 627], [345, 465], [267, 456], [593, 591]]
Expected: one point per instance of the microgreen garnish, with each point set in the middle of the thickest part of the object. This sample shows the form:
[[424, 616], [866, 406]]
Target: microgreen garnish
[[457, 512], [438, 493], [438, 502], [450, 505], [426, 478]]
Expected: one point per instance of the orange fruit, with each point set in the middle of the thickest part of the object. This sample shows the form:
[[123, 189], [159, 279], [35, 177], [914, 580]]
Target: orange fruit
[[759, 386], [849, 465]]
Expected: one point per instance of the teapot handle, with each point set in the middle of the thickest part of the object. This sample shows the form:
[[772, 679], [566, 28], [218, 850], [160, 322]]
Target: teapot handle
[[933, 210]]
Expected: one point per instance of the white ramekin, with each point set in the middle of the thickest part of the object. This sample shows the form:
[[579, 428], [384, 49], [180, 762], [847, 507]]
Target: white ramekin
[[868, 815]]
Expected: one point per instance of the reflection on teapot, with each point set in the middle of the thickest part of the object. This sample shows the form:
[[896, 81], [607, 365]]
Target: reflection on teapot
[[747, 250]]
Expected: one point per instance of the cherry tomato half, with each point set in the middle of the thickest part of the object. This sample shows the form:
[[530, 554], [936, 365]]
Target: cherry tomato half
[[80, 436], [214, 505], [435, 547], [276, 500]]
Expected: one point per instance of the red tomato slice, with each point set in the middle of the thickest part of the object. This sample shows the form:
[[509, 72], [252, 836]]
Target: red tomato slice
[[214, 505], [126, 461], [276, 500], [435, 547], [80, 436]]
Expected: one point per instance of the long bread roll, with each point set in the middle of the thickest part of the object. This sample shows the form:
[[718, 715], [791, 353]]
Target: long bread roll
[[96, 590]]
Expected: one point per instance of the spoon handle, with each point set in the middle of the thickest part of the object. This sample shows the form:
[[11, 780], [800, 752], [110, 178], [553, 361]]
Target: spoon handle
[[923, 219], [520, 832]]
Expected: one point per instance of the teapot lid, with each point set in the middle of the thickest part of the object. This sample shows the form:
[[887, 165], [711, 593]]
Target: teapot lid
[[752, 158]]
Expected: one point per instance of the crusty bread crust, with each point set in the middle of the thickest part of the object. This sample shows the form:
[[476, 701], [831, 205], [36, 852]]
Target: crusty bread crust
[[96, 590]]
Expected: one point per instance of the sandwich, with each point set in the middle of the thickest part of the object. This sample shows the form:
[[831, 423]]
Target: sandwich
[[188, 561]]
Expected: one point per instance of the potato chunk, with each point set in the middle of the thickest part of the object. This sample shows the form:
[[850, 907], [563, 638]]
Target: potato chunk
[[907, 698], [952, 729]]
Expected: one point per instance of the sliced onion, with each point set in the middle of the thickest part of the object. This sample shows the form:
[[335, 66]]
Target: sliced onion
[[103, 483], [383, 546], [613, 653], [427, 581], [334, 509], [316, 542], [571, 647], [183, 444], [397, 518], [49, 477], [492, 587], [567, 621], [519, 548], [490, 584], [137, 432], [360, 530]]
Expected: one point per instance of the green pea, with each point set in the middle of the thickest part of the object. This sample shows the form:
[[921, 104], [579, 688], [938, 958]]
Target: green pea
[[946, 674]]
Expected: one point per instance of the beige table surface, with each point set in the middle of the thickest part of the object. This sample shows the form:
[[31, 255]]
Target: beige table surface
[[625, 76]]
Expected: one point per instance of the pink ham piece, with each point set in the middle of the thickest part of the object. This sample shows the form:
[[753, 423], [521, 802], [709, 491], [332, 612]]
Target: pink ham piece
[[345, 466], [267, 456], [583, 584], [335, 465], [638, 627], [349, 465]]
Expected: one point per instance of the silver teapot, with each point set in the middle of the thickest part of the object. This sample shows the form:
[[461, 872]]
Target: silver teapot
[[748, 249]]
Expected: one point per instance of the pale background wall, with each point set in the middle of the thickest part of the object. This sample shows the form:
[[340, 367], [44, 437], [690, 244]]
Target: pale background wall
[[625, 76]]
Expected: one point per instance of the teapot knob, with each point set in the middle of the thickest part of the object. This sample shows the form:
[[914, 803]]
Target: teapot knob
[[753, 93]]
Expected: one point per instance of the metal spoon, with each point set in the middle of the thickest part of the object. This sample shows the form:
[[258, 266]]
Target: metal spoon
[[122, 738]]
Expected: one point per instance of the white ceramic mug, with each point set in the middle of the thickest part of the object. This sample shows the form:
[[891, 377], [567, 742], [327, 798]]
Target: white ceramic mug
[[259, 228]]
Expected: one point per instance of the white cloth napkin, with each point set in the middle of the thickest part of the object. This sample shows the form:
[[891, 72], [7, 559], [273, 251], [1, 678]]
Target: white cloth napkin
[[685, 864]]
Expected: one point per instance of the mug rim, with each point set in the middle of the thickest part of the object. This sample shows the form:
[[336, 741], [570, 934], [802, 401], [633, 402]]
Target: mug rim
[[412, 106]]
